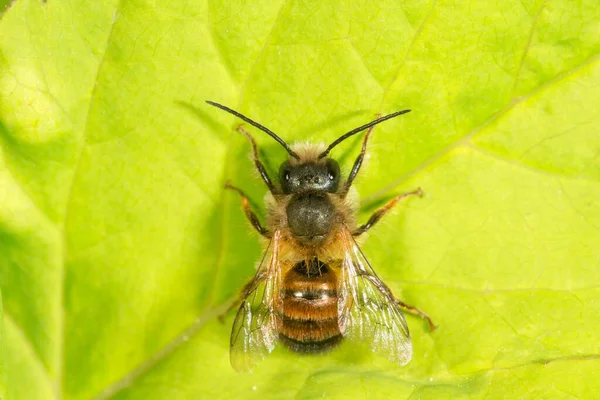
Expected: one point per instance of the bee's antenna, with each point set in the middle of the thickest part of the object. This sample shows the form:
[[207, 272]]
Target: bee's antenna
[[257, 125], [359, 129]]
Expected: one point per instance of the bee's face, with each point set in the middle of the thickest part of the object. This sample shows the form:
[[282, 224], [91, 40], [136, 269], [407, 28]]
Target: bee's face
[[310, 176]]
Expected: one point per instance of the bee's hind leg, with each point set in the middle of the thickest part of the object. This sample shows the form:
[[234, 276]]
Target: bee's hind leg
[[377, 215], [236, 303], [415, 311], [248, 287], [251, 215], [221, 316]]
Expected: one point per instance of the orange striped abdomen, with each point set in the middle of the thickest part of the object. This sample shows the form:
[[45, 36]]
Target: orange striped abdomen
[[309, 322]]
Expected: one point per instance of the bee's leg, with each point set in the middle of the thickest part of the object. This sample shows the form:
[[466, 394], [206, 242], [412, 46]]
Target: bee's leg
[[386, 290], [259, 165], [416, 311], [358, 162], [377, 215], [248, 287], [249, 213], [221, 316]]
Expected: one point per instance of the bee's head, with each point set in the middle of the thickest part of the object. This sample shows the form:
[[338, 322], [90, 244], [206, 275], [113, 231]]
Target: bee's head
[[308, 168], [297, 176]]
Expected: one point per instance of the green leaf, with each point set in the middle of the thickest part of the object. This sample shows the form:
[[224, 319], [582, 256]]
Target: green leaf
[[2, 355], [119, 247]]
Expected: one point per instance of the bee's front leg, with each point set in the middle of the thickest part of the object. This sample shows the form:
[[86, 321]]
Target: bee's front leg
[[358, 162], [257, 163], [248, 211]]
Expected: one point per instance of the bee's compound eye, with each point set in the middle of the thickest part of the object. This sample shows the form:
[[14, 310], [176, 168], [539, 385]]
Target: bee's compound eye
[[333, 170], [285, 177], [333, 175]]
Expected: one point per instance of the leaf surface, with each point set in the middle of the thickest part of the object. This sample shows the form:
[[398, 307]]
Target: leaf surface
[[120, 247]]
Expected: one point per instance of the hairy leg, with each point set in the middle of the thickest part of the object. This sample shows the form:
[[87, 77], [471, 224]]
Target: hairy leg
[[416, 311], [259, 165], [377, 215], [241, 296], [248, 211]]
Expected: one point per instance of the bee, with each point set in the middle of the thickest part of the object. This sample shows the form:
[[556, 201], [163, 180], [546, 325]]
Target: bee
[[314, 286]]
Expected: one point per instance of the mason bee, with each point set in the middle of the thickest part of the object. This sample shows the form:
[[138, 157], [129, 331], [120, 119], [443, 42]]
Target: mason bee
[[314, 285]]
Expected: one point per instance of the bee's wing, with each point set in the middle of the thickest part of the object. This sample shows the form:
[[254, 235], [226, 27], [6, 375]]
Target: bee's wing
[[367, 310], [255, 329]]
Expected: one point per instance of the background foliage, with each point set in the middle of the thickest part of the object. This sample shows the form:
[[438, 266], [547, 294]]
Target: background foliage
[[119, 246]]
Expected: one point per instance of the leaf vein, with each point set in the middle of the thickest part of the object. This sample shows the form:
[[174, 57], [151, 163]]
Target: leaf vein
[[402, 63], [8, 319], [167, 350], [486, 291], [534, 23], [76, 171], [478, 129], [530, 168]]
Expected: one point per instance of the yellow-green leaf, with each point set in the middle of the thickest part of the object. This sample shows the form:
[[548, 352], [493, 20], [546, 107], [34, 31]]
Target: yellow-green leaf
[[119, 247]]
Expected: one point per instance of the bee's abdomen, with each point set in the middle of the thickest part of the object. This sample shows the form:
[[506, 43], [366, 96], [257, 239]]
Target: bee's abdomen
[[309, 320]]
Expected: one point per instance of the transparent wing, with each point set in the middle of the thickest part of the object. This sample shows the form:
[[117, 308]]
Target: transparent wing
[[255, 329], [367, 310]]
